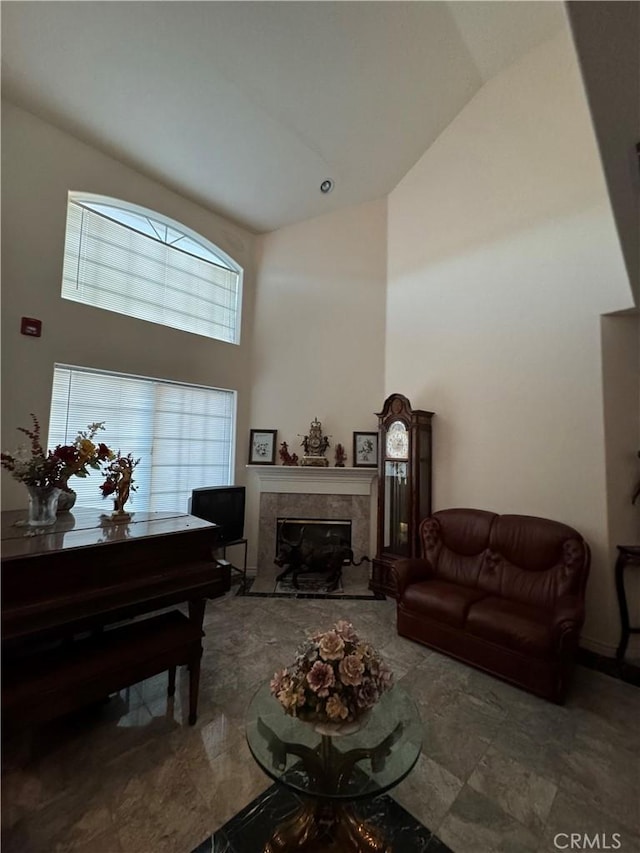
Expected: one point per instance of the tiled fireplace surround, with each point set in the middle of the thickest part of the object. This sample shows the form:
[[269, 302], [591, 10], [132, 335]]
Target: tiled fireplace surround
[[326, 493]]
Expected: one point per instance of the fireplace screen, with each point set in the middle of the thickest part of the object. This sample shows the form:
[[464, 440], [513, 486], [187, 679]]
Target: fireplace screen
[[315, 532]]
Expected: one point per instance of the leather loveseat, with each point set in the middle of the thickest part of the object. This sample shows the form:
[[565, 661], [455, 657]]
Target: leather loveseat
[[504, 593]]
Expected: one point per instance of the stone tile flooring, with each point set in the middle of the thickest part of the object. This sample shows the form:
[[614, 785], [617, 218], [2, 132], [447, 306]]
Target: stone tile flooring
[[500, 769]]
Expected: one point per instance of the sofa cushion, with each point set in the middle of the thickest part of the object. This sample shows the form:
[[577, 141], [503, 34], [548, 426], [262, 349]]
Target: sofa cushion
[[533, 560], [440, 600], [454, 542], [520, 627]]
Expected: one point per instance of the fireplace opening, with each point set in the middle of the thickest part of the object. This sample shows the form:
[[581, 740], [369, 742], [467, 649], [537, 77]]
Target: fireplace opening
[[316, 548], [317, 533]]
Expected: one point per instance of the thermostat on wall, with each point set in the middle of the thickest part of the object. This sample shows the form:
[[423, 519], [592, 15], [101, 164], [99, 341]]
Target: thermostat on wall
[[31, 326]]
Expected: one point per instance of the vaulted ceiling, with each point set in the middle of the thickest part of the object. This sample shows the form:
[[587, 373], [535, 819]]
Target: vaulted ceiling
[[246, 107]]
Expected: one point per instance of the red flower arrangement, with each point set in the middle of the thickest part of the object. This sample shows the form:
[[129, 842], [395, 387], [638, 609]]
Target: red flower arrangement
[[83, 454]]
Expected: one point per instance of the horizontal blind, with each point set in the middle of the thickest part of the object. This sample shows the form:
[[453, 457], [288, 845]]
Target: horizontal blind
[[192, 434], [182, 434], [112, 266]]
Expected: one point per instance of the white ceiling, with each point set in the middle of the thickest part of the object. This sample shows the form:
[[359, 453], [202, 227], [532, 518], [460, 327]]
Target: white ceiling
[[246, 107]]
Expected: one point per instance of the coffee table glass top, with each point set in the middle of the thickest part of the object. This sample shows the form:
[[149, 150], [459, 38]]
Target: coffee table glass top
[[363, 764]]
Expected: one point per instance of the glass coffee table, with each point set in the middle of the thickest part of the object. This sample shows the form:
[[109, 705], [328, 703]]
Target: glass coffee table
[[331, 773]]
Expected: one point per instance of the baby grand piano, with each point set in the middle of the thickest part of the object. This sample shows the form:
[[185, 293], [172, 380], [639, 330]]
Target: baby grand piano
[[86, 573]]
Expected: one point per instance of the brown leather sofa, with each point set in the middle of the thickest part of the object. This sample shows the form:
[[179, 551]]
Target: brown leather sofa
[[504, 593]]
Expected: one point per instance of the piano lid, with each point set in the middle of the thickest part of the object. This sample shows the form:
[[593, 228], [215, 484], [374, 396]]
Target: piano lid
[[87, 527]]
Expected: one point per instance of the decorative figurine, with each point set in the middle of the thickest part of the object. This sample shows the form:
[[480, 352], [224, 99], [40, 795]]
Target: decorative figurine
[[315, 445], [287, 458], [341, 456], [119, 483]]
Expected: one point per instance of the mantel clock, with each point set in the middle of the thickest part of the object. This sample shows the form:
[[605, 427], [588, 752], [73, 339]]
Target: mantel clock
[[404, 486]]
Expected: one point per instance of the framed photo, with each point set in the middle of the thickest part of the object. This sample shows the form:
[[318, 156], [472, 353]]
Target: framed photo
[[365, 450], [262, 446]]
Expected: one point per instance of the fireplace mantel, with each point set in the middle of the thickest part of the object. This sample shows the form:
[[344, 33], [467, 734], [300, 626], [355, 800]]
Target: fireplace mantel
[[292, 479]]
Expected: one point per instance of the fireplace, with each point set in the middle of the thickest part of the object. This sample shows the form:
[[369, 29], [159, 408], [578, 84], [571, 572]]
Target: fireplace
[[323, 494], [327, 508], [317, 532]]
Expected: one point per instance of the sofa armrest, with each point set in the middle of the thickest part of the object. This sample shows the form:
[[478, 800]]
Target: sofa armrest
[[568, 617], [410, 571]]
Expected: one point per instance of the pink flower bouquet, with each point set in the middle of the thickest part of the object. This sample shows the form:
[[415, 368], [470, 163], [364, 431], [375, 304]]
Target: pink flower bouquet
[[335, 678]]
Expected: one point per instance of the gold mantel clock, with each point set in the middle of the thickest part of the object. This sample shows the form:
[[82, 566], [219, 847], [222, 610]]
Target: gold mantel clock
[[404, 486]]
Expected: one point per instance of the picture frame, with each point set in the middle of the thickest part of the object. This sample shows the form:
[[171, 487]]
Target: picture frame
[[365, 450], [262, 446]]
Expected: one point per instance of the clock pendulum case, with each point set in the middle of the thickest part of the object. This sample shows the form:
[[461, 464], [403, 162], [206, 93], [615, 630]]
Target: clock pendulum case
[[404, 486]]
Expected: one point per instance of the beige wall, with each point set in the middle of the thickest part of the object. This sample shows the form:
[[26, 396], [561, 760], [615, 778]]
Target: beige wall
[[319, 327], [502, 257], [40, 164], [621, 380], [611, 72]]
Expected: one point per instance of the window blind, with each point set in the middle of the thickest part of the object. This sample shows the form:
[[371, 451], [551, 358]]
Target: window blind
[[182, 434], [111, 265]]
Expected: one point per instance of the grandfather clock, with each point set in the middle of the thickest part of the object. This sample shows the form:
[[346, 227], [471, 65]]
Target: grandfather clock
[[404, 486]]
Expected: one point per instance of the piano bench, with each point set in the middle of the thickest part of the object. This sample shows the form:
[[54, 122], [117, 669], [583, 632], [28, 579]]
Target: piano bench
[[51, 683]]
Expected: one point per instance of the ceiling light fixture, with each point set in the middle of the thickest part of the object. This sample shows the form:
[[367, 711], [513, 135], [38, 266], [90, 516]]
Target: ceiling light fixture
[[326, 186]]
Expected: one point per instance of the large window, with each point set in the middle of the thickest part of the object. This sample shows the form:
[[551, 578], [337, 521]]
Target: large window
[[183, 434], [130, 260]]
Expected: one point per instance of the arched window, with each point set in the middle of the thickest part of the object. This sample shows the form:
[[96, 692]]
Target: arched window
[[126, 259]]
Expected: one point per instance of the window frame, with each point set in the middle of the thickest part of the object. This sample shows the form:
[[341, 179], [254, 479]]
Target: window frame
[[151, 412], [85, 199]]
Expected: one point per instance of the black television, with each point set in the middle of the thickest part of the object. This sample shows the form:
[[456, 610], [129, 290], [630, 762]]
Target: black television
[[223, 505]]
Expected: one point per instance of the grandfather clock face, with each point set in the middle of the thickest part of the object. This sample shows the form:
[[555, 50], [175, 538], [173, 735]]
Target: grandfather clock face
[[397, 446], [395, 484]]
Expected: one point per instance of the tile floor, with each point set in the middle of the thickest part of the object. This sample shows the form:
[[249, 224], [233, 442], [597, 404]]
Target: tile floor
[[500, 769]]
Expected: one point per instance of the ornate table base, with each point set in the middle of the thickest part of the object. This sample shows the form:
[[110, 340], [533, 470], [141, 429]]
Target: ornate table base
[[327, 824], [335, 779], [321, 825]]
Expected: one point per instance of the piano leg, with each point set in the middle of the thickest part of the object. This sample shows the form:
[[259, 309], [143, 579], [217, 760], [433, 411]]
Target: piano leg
[[196, 614], [194, 687], [196, 611], [171, 689]]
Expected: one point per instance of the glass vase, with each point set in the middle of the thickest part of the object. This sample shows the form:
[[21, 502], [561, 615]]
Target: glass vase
[[43, 505]]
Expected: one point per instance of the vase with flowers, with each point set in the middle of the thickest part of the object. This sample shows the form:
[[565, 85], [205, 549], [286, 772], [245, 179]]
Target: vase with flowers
[[46, 473], [119, 484], [40, 471], [77, 458], [334, 682]]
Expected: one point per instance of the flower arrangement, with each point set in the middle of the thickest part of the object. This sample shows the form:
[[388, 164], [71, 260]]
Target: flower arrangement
[[82, 454], [35, 466], [119, 480], [335, 678]]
